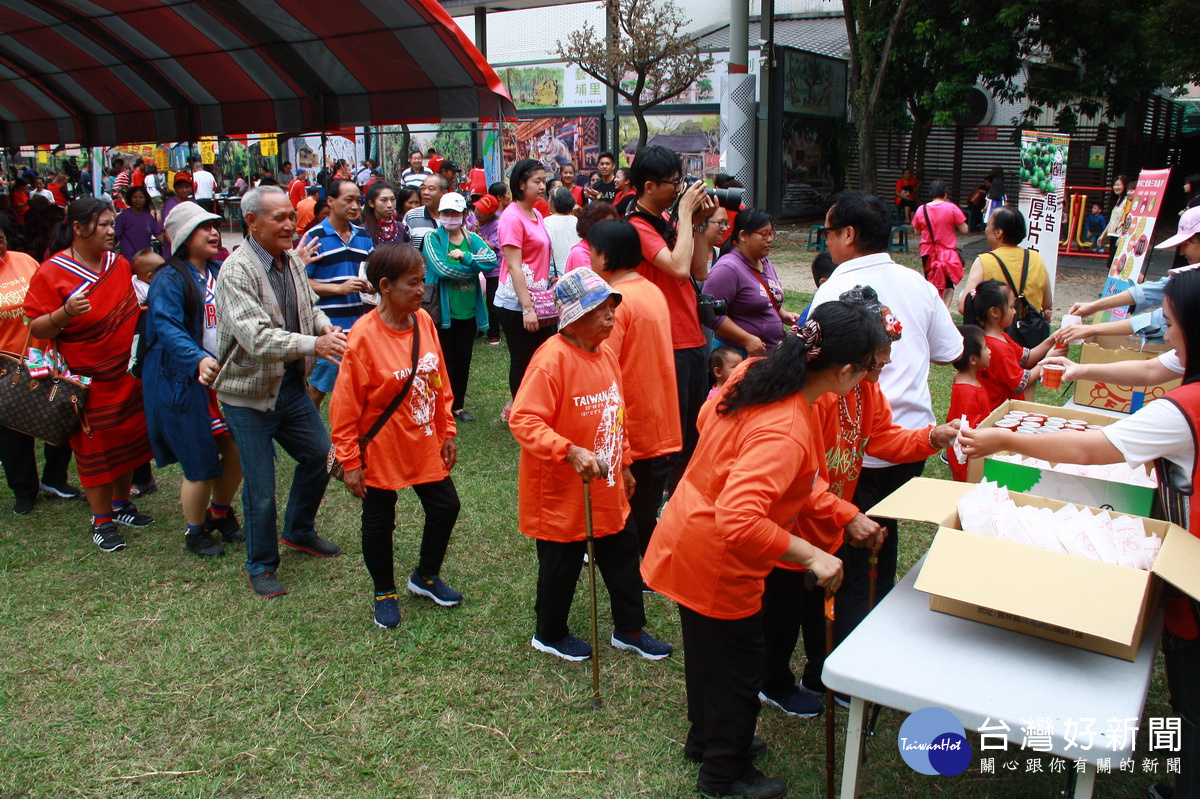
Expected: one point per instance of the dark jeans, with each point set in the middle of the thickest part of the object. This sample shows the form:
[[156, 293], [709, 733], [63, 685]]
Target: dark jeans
[[691, 381], [722, 666], [20, 463], [521, 344], [789, 609], [491, 284], [296, 425], [1183, 685], [559, 564], [650, 477], [441, 505], [852, 598], [143, 474], [458, 344]]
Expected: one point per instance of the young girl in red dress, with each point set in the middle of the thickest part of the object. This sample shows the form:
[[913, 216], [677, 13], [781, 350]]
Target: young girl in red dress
[[82, 298], [968, 398], [1013, 370]]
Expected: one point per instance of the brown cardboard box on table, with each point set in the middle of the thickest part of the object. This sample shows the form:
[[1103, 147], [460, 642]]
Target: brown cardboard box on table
[[1084, 603], [1109, 396]]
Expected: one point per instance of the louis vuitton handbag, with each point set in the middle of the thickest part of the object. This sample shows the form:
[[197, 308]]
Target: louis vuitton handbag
[[50, 408]]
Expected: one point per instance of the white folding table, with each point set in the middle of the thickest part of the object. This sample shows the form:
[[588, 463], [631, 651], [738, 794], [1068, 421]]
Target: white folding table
[[906, 656]]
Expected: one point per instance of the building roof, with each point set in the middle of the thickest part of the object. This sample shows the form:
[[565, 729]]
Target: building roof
[[679, 142], [823, 35], [113, 71]]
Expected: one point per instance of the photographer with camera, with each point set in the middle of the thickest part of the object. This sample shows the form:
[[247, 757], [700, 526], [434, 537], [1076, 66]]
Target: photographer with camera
[[673, 257]]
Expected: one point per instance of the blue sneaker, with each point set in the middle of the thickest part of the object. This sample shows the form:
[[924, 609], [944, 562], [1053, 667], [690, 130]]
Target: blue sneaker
[[568, 648], [433, 588], [643, 643], [387, 610]]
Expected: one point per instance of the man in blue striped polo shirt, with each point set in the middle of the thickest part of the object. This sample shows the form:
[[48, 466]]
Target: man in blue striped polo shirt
[[334, 276]]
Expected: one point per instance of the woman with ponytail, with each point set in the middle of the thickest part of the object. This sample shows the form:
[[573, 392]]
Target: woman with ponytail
[[1164, 431], [731, 519], [83, 299]]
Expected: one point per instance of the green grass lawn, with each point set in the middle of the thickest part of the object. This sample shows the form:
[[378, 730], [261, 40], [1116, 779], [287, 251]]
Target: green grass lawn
[[153, 673]]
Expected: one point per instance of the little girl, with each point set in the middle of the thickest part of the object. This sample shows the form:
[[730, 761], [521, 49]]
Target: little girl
[[968, 397], [1012, 370], [721, 361]]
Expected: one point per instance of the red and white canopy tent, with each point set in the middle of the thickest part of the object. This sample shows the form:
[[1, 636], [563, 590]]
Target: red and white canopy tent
[[107, 71]]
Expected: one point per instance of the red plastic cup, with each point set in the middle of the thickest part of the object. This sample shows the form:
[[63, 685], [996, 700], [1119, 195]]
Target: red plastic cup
[[1052, 375]]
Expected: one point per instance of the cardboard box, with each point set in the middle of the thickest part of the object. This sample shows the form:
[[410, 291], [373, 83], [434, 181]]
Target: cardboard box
[[1090, 491], [1127, 399], [1084, 603]]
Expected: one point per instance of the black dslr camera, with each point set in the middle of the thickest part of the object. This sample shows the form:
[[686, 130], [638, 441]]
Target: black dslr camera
[[709, 308], [729, 199]]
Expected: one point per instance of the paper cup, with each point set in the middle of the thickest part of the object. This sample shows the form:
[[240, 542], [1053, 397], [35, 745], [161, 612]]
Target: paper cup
[[1052, 375]]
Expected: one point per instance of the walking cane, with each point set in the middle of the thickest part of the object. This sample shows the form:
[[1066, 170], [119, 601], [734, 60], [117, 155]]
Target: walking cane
[[872, 579], [830, 757], [591, 553]]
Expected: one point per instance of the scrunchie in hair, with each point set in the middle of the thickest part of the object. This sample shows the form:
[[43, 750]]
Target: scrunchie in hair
[[811, 333]]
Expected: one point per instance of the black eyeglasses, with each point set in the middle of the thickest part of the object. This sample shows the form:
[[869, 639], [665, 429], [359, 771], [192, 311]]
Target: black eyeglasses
[[826, 231]]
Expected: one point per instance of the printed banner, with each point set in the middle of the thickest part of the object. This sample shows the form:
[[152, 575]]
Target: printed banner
[[1135, 234], [208, 152], [1043, 185], [268, 145]]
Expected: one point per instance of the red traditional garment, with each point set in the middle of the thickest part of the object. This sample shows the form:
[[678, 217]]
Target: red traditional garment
[[97, 344]]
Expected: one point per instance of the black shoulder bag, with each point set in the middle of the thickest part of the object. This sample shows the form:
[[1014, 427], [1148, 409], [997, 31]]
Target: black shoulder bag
[[1030, 328], [332, 464]]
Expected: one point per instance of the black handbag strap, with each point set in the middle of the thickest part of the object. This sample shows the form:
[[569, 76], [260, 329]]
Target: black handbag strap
[[1018, 292], [396, 400]]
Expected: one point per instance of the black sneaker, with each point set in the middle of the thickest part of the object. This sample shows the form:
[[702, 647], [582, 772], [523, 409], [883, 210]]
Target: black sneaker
[[435, 589], [107, 537], [266, 586], [464, 415], [842, 700], [643, 643], [316, 546], [797, 704], [130, 516], [757, 747], [1160, 791], [387, 610], [569, 648], [817, 689], [23, 506], [200, 542], [226, 525], [753, 785], [64, 491]]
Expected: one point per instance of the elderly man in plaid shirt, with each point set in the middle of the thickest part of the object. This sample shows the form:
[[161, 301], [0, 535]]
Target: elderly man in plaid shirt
[[269, 334]]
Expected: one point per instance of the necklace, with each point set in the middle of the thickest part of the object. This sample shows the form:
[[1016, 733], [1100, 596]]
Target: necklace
[[851, 429], [79, 259]]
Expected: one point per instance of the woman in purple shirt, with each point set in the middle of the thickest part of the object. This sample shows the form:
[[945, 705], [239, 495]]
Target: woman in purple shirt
[[136, 225], [753, 293]]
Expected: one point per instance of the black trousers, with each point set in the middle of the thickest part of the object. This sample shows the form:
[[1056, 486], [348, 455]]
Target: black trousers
[[788, 610], [440, 502], [20, 463], [650, 476], [491, 284], [722, 666], [559, 565], [1183, 685], [458, 344], [691, 381], [850, 607], [521, 344]]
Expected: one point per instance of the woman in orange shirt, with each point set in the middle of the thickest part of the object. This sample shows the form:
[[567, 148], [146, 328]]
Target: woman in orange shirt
[[415, 446], [17, 449], [730, 520], [569, 418], [641, 340]]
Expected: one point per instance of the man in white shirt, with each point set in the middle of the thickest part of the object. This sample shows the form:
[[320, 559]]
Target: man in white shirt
[[857, 230], [206, 186]]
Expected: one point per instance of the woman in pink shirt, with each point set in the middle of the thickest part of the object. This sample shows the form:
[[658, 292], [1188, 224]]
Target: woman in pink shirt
[[589, 215], [938, 222]]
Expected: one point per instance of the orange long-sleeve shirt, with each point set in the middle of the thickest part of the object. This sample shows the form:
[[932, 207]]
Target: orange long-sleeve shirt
[[841, 467], [408, 450], [569, 396], [729, 520], [641, 340]]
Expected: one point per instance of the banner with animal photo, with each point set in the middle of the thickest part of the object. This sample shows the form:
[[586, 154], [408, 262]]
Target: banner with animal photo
[[1134, 230], [1043, 186]]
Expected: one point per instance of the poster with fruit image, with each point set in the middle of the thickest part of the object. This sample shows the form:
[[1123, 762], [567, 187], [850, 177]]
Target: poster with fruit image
[[1043, 186], [1134, 230]]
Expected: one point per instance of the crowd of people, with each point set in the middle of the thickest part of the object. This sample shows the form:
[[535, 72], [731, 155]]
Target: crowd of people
[[779, 428]]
